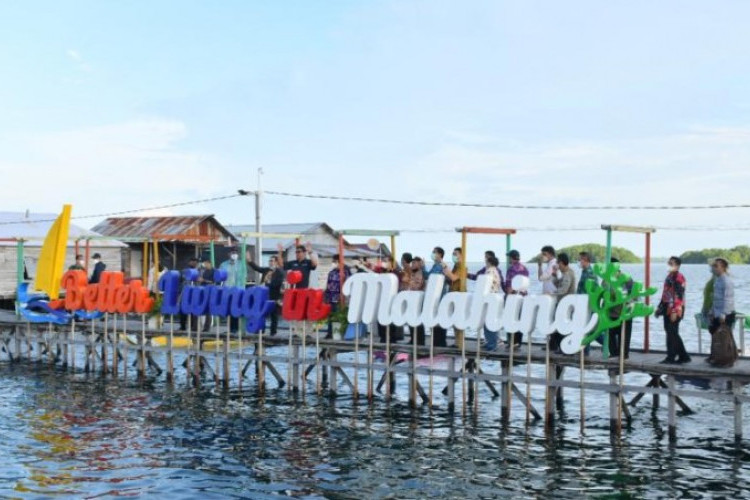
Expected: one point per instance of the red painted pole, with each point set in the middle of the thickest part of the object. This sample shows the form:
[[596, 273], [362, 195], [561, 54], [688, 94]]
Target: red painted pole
[[341, 268], [646, 326]]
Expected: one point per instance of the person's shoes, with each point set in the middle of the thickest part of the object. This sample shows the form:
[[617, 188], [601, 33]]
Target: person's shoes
[[682, 361], [328, 337], [273, 334], [667, 361]]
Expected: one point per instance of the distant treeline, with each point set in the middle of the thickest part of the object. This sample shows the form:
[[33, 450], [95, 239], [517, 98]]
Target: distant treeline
[[598, 253], [737, 255]]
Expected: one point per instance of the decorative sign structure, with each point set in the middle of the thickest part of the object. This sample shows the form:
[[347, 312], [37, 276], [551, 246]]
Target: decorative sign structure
[[613, 303], [375, 297], [580, 319]]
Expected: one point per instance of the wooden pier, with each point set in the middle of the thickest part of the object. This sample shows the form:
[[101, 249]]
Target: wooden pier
[[123, 347]]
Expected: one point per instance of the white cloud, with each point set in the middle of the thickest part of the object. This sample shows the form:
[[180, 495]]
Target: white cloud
[[113, 167]]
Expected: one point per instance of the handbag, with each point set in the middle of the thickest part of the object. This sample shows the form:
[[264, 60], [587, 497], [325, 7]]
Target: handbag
[[723, 348]]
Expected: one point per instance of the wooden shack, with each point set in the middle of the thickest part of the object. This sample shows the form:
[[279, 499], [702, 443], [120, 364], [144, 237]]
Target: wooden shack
[[31, 229], [178, 239]]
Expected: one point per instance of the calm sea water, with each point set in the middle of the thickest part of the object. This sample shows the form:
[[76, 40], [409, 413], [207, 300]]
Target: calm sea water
[[79, 436]]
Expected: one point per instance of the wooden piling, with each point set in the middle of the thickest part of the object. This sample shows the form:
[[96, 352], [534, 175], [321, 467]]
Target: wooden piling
[[672, 408], [737, 392]]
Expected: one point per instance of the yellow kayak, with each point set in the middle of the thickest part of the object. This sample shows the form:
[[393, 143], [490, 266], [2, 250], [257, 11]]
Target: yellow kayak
[[177, 342], [210, 345]]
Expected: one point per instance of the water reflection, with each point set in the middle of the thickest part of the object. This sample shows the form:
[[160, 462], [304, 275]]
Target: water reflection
[[78, 436]]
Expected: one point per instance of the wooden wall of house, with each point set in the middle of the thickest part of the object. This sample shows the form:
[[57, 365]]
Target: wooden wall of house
[[112, 256]]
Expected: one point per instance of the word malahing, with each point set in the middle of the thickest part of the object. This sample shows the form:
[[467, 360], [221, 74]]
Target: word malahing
[[375, 297], [249, 303]]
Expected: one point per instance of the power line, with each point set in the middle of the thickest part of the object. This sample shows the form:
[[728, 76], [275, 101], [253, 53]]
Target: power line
[[133, 211], [505, 205]]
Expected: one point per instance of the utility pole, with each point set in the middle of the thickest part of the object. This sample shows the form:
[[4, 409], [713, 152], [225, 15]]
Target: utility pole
[[258, 229]]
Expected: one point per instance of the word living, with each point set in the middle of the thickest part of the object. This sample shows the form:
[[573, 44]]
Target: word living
[[375, 297]]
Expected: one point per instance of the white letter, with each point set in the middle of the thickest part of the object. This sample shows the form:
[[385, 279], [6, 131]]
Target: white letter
[[486, 307], [406, 308], [537, 312], [574, 320], [432, 300], [454, 311], [370, 292]]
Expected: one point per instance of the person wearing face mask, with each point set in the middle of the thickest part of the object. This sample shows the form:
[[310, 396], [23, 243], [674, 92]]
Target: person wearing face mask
[[233, 269], [332, 294], [184, 282], [516, 268], [80, 264], [672, 307], [547, 270], [272, 277], [496, 286], [99, 268], [456, 284], [438, 267], [416, 284]]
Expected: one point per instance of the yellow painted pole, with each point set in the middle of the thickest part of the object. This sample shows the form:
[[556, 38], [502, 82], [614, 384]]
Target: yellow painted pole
[[144, 270]]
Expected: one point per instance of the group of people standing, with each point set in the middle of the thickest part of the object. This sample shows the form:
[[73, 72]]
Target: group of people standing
[[555, 272]]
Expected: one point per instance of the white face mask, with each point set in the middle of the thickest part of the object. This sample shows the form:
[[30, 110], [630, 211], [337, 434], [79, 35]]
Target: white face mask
[[82, 263], [96, 261], [234, 256]]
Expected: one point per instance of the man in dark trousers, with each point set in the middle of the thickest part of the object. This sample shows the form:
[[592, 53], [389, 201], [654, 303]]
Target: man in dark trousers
[[192, 265], [99, 268], [672, 308], [206, 278], [273, 277]]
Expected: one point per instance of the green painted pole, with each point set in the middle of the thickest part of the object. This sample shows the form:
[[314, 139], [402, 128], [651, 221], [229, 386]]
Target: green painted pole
[[608, 255], [19, 261], [607, 258], [212, 255], [507, 249]]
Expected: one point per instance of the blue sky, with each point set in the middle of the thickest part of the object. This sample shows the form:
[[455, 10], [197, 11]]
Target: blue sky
[[118, 105]]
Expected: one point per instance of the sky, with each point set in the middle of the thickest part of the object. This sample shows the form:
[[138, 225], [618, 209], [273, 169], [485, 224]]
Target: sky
[[121, 105]]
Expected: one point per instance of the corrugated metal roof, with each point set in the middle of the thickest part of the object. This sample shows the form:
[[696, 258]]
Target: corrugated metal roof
[[147, 227], [34, 228], [271, 244]]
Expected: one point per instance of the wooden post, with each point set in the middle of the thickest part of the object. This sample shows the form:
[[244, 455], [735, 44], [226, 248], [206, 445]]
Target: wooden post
[[614, 405], [583, 391], [549, 415], [388, 362], [647, 273], [356, 358], [226, 353], [451, 384], [737, 392], [170, 351], [144, 264], [295, 368], [528, 375], [672, 408], [141, 348], [333, 373], [413, 373], [88, 255], [342, 272], [432, 363], [370, 367]]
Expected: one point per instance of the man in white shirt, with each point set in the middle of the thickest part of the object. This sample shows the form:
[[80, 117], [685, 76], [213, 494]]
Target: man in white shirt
[[547, 270]]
